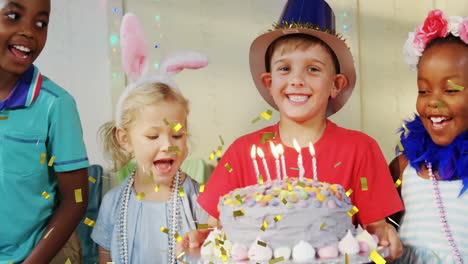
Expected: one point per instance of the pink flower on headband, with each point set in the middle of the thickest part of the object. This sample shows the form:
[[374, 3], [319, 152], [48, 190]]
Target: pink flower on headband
[[435, 25], [463, 31]]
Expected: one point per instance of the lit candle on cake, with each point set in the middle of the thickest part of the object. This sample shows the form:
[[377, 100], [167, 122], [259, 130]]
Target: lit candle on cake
[[299, 160], [253, 155], [280, 150], [275, 154], [314, 161], [265, 166]]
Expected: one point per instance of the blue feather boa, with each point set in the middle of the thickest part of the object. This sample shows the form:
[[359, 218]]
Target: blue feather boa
[[451, 161]]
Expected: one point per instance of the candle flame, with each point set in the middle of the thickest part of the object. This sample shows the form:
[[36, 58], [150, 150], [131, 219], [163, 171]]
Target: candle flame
[[260, 153], [296, 145], [252, 151], [273, 150], [311, 149], [280, 149]]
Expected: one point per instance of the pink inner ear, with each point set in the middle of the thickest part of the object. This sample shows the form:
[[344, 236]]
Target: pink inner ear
[[134, 46], [186, 65]]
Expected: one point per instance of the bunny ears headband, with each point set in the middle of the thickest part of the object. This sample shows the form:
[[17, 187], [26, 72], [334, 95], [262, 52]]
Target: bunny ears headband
[[135, 61]]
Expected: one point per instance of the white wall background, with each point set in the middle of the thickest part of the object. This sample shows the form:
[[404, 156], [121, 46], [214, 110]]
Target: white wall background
[[79, 56]]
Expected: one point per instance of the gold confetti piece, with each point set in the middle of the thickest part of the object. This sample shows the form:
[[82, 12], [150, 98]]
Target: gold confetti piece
[[228, 167], [276, 260], [349, 192], [51, 161], [177, 127], [207, 243], [346, 257], [89, 222], [405, 128], [140, 196], [11, 262], [177, 237], [364, 186], [221, 139], [338, 164], [266, 136], [46, 195], [212, 155], [238, 198], [3, 117], [435, 254], [264, 226], [218, 153], [181, 192], [277, 218], [290, 188], [166, 122], [323, 226], [265, 115], [238, 213], [441, 104], [78, 196], [284, 200], [156, 189], [400, 146], [301, 184], [68, 261], [202, 226], [180, 255], [397, 183], [263, 244], [202, 188], [48, 233], [91, 179], [260, 179], [292, 168], [173, 149], [256, 120], [148, 180], [375, 256], [455, 86], [353, 211], [391, 220], [164, 230], [43, 158]]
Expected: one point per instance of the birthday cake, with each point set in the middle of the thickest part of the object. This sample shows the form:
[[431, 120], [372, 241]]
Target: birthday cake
[[290, 218]]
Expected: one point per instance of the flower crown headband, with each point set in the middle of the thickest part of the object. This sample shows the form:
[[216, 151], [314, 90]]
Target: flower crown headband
[[135, 62], [434, 26]]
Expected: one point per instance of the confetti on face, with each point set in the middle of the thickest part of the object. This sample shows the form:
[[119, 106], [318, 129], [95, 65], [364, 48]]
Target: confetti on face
[[353, 211], [397, 183], [78, 196], [440, 104], [375, 256], [89, 222], [91, 179], [228, 167], [181, 192], [349, 192], [156, 189], [364, 186], [177, 127], [51, 161], [455, 86], [42, 158], [46, 195], [174, 149]]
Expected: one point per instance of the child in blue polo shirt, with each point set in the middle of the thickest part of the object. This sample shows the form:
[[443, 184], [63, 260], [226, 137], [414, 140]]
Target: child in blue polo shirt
[[43, 162]]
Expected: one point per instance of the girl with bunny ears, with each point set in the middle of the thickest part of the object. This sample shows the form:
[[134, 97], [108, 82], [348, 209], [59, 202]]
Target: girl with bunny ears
[[150, 128], [433, 166]]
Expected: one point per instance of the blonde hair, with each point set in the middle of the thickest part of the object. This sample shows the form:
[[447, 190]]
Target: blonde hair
[[288, 43], [139, 97]]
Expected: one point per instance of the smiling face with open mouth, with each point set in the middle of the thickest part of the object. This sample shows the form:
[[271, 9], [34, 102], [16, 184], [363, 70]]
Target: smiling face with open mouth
[[442, 107], [23, 34], [157, 148]]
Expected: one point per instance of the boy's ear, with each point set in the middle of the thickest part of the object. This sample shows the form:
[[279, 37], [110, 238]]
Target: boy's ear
[[124, 139], [265, 78], [340, 82]]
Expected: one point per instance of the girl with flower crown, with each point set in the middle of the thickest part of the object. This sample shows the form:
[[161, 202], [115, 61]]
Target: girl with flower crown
[[142, 219], [433, 164]]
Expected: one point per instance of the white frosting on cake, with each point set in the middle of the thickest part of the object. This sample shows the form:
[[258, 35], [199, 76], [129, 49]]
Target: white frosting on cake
[[284, 252], [348, 245], [259, 252], [365, 237], [303, 252]]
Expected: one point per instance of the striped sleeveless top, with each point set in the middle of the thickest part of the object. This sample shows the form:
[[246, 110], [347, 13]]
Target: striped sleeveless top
[[421, 231]]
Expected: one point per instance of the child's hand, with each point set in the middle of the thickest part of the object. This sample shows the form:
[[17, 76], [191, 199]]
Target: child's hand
[[192, 239], [388, 237]]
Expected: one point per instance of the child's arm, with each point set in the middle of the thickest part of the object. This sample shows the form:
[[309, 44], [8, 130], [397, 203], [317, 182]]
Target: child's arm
[[397, 166], [65, 218], [104, 256], [388, 237]]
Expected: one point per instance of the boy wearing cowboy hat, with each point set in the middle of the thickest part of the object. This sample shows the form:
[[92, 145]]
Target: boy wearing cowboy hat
[[306, 72]]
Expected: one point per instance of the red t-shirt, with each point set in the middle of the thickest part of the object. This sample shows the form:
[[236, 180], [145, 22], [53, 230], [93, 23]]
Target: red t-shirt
[[343, 157]]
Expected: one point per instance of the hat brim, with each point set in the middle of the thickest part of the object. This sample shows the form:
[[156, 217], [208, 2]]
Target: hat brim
[[259, 48]]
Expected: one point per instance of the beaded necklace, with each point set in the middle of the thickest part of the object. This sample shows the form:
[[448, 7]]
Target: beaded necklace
[[174, 215], [442, 216]]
